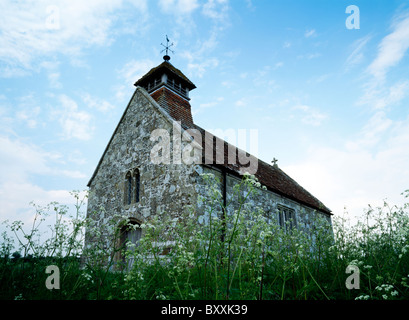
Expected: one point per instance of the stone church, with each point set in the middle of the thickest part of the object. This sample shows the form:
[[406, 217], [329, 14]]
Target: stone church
[[154, 160]]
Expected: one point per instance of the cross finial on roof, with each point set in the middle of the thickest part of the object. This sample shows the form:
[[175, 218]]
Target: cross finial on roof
[[274, 162], [166, 56]]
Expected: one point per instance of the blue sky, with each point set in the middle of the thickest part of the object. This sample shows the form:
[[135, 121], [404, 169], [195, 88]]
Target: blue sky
[[331, 103]]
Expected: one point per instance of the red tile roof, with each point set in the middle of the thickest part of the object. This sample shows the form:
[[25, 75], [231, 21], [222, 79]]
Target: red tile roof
[[270, 176]]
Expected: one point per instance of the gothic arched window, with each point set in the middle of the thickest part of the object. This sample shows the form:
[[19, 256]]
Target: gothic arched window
[[137, 181], [132, 187], [130, 233], [128, 188]]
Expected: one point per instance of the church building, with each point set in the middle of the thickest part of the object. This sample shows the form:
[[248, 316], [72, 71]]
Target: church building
[[154, 160]]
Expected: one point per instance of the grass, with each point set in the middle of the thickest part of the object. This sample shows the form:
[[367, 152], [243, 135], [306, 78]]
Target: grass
[[237, 256]]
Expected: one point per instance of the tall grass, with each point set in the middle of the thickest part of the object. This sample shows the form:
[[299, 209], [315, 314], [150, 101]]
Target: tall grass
[[211, 255]]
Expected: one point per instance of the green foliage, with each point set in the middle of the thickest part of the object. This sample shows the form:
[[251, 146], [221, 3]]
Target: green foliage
[[209, 255]]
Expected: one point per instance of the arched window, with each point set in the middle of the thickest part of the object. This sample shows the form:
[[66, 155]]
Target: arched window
[[130, 233], [128, 188], [137, 183], [132, 187]]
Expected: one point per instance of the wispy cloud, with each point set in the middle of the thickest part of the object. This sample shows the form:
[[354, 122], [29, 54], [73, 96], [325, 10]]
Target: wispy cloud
[[19, 162], [28, 110], [379, 93], [207, 105], [357, 55], [132, 71], [310, 33], [200, 57], [19, 159], [309, 56], [372, 132], [74, 122], [278, 65], [362, 170], [97, 103], [310, 115], [216, 10], [392, 48], [286, 44], [178, 7], [240, 103], [392, 95], [33, 31]]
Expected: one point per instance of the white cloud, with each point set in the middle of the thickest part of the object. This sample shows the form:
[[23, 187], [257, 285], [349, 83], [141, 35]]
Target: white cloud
[[310, 115], [54, 79], [19, 159], [35, 30], [178, 6], [74, 123], [73, 174], [278, 65], [216, 9], [310, 33], [19, 162], [199, 67], [204, 106], [263, 77], [378, 93], [363, 171], [199, 59], [250, 5], [371, 134], [28, 111], [28, 117], [392, 48], [240, 103], [53, 74], [287, 44], [16, 197], [381, 97], [96, 103], [357, 54], [393, 95], [309, 56], [134, 70]]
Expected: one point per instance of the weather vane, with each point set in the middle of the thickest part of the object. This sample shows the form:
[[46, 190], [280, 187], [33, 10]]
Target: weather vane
[[167, 48]]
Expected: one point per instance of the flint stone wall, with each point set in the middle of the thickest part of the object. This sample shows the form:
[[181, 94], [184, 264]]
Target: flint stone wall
[[267, 200], [163, 187]]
